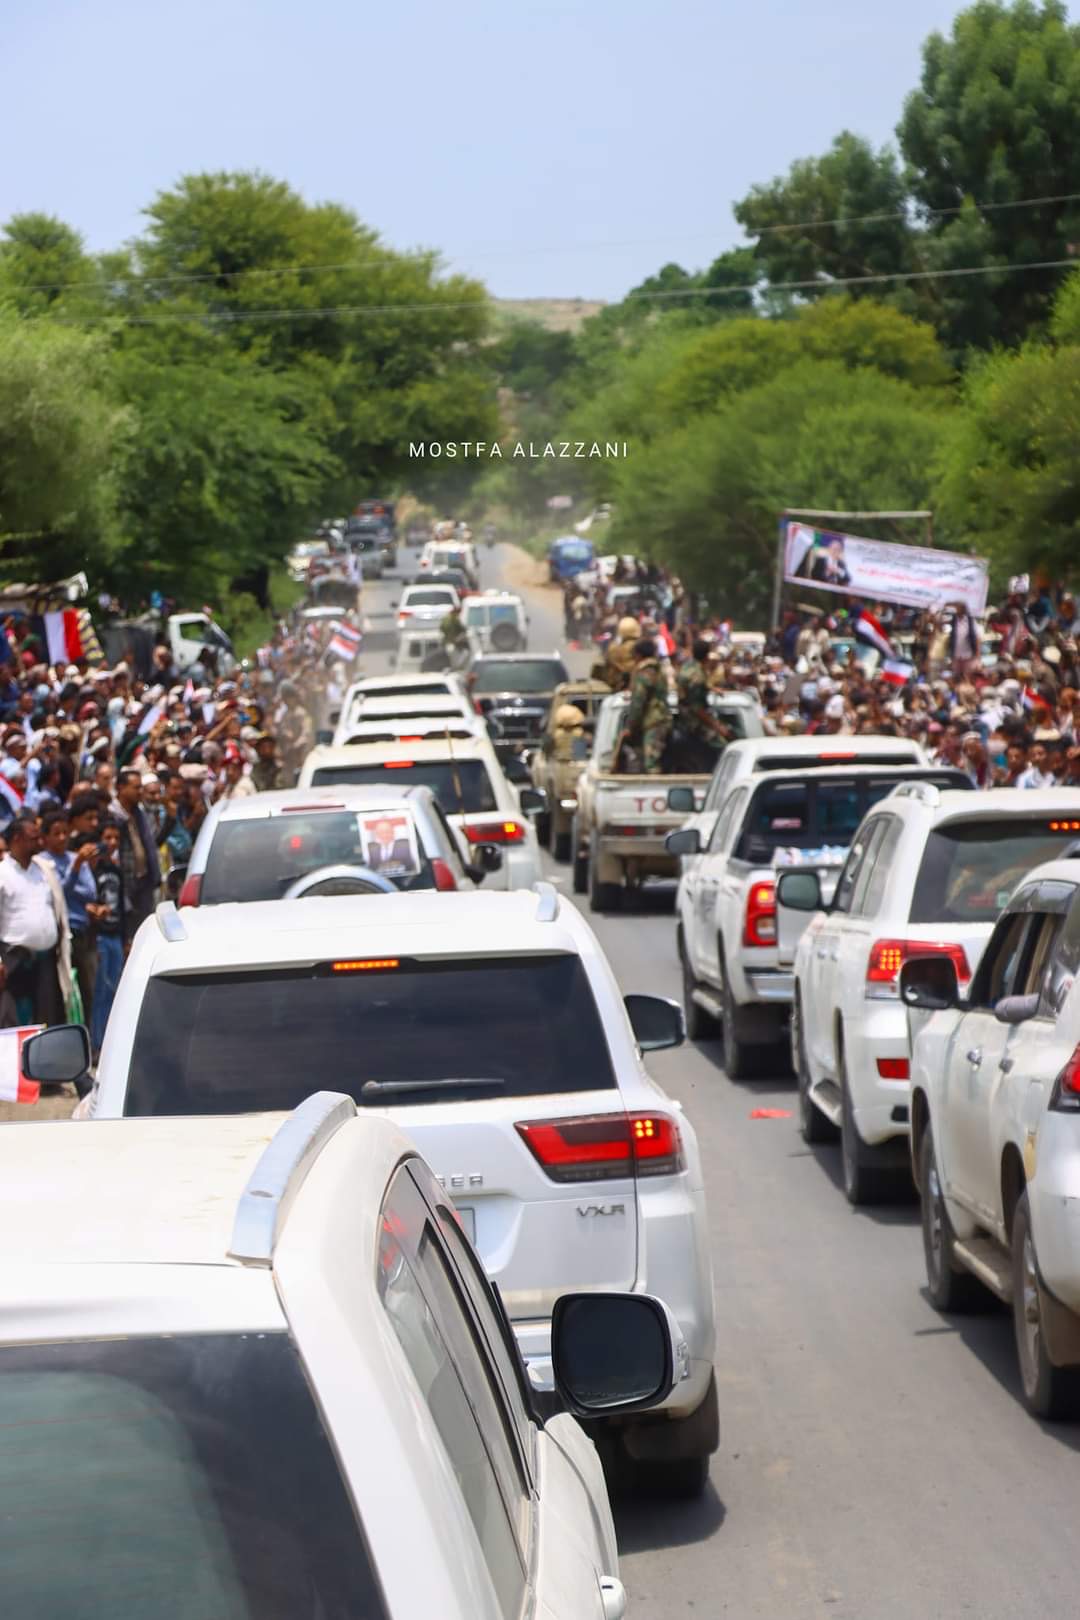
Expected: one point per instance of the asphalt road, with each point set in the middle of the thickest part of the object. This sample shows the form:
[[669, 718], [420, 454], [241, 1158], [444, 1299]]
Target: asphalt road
[[875, 1460]]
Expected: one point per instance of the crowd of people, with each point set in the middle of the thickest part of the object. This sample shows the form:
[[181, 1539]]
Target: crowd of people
[[105, 781]]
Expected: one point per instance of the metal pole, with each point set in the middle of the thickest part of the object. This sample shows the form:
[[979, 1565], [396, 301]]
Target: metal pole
[[778, 582]]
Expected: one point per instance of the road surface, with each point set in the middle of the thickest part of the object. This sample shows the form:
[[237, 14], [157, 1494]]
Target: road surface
[[875, 1460]]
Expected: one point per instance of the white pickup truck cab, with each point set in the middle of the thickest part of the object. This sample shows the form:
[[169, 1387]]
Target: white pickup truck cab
[[995, 1128], [737, 967]]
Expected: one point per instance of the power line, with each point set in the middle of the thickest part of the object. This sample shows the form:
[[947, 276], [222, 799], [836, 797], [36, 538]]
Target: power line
[[391, 255], [348, 311]]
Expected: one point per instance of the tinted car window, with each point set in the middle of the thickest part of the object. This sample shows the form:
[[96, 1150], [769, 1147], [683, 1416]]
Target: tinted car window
[[438, 596], [230, 1043], [518, 675], [815, 813], [259, 860], [462, 787], [969, 869], [163, 1479]]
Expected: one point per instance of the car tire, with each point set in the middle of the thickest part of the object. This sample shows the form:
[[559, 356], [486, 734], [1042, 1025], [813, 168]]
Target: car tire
[[741, 1059], [865, 1181], [559, 843], [1049, 1391], [602, 896], [700, 1025], [542, 823], [949, 1285], [580, 862], [814, 1126]]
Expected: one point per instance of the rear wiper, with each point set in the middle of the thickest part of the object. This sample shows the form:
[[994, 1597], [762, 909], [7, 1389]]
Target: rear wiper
[[398, 1088]]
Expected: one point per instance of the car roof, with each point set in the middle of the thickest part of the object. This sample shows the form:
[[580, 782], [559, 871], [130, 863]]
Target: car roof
[[819, 746], [1052, 871], [519, 658], [342, 795], [1049, 802], [360, 927], [374, 684]]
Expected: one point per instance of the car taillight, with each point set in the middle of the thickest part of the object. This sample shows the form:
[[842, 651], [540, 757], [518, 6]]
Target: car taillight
[[495, 832], [604, 1147], [759, 926], [892, 1068], [404, 613], [1065, 1097], [444, 877], [190, 890], [887, 957]]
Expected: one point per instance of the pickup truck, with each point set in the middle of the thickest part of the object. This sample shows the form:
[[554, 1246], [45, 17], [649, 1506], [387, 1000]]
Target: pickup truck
[[618, 831], [995, 1099], [737, 969], [557, 770]]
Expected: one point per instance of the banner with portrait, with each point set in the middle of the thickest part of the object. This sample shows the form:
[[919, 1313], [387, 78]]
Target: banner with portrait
[[884, 570]]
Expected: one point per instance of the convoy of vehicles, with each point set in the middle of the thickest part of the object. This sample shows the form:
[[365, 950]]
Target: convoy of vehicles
[[308, 1378]]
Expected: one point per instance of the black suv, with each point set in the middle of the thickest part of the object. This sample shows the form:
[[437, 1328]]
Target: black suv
[[513, 691]]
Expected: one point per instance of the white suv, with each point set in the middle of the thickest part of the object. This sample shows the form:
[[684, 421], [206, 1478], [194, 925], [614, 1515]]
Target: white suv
[[254, 1368], [492, 1028], [995, 1122], [927, 874]]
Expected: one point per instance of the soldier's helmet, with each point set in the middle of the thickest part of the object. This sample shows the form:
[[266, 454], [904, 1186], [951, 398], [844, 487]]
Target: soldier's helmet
[[629, 629]]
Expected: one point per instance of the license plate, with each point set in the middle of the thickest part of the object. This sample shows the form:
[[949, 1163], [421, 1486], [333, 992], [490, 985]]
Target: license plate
[[468, 1221]]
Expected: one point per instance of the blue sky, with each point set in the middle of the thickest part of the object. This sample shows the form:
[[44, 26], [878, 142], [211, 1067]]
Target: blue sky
[[560, 149]]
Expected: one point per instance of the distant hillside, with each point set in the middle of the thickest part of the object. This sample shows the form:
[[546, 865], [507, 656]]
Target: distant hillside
[[557, 314]]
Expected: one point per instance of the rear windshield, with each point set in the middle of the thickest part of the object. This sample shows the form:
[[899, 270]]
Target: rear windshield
[[168, 1478], [518, 675], [231, 1043], [970, 868], [260, 860], [420, 689], [818, 816], [436, 596], [462, 787]]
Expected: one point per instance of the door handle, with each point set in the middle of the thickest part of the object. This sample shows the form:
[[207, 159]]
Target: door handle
[[974, 1056]]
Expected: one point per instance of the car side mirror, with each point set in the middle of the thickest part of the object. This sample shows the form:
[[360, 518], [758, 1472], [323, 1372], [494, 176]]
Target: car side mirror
[[800, 891], [615, 1352], [489, 858], [533, 800], [681, 799], [657, 1022], [174, 881], [686, 841], [515, 769], [930, 983], [335, 716], [324, 738], [1016, 1009], [58, 1056]]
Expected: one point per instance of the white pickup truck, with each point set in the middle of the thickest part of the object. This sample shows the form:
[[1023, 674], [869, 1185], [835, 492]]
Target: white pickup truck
[[737, 963], [618, 831]]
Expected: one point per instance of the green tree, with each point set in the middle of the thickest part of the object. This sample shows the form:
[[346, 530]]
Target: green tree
[[996, 121]]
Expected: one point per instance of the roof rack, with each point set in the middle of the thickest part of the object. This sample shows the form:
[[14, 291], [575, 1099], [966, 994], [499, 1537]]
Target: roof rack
[[170, 922], [547, 901], [928, 792], [280, 1173]]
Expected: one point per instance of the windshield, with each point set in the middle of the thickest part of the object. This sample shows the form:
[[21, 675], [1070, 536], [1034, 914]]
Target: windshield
[[518, 675], [815, 816], [434, 596], [173, 1478], [969, 869], [227, 1043], [259, 860], [462, 786]]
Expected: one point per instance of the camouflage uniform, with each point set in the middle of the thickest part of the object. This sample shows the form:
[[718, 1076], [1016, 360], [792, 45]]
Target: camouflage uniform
[[453, 629], [648, 719], [695, 715]]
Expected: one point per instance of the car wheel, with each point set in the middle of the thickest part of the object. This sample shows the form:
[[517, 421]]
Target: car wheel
[[580, 861], [700, 1025], [864, 1181], [602, 896], [815, 1126], [950, 1287], [560, 843], [1049, 1391], [542, 823], [741, 1060]]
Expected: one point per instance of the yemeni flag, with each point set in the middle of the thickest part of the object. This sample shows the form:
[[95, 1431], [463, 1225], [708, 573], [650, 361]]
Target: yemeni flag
[[665, 641], [63, 637], [344, 641], [14, 1087], [869, 630], [10, 795], [897, 671]]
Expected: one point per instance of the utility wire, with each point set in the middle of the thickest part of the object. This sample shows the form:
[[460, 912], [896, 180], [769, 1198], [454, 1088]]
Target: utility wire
[[392, 256]]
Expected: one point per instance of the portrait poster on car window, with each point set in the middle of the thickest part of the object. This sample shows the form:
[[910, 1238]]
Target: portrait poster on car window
[[390, 844]]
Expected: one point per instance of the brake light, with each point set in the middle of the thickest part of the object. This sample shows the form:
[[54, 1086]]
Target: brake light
[[398, 764], [1065, 826], [410, 739], [759, 926], [1065, 1096], [843, 758], [374, 964], [892, 1068], [405, 613], [604, 1147], [887, 957], [445, 881], [190, 891], [495, 832]]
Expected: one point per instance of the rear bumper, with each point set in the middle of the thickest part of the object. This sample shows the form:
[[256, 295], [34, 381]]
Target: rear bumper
[[882, 1108], [1054, 1191], [773, 985]]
